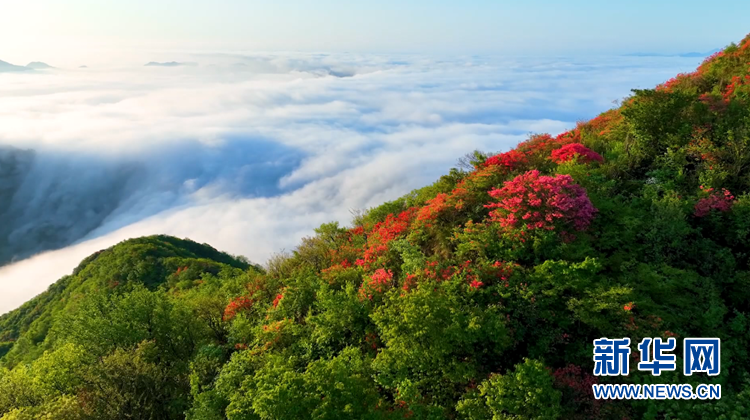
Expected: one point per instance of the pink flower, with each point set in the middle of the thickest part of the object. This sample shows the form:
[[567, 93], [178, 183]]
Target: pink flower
[[541, 202], [378, 283], [721, 201]]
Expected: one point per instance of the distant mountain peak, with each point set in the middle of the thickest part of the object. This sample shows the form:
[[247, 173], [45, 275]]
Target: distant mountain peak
[[7, 67], [167, 64], [38, 65]]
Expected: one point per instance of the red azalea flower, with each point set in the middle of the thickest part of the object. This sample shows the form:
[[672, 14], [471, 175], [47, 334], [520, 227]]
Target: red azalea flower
[[476, 284], [237, 305], [721, 201], [510, 160], [541, 202], [278, 299], [569, 151]]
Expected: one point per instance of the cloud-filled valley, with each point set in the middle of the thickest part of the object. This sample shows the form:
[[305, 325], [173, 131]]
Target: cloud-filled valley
[[250, 152]]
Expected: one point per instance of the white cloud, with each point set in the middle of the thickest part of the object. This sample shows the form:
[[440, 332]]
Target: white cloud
[[249, 153]]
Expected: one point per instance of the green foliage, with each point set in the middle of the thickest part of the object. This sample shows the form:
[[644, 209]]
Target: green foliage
[[438, 339], [526, 393]]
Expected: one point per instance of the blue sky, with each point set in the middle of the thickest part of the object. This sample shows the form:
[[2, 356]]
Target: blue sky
[[537, 27]]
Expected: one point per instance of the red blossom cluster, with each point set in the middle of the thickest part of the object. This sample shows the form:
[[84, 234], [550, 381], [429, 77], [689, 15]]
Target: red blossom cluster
[[430, 271], [572, 136], [236, 306], [476, 284], [721, 201], [278, 299], [570, 151], [433, 208], [469, 273], [410, 282], [504, 271], [736, 83], [681, 78], [383, 233], [544, 144], [629, 306], [468, 191], [541, 202], [694, 79], [377, 283], [510, 160], [347, 251]]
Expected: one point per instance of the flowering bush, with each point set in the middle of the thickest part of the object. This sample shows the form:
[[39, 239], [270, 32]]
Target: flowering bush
[[721, 201], [476, 284], [541, 202], [377, 283], [433, 208], [236, 306], [543, 144], [410, 282], [571, 136], [678, 80], [735, 87], [383, 233], [569, 151], [467, 194], [510, 160]]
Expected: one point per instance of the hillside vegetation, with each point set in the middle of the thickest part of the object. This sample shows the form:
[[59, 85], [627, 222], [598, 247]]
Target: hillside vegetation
[[477, 297]]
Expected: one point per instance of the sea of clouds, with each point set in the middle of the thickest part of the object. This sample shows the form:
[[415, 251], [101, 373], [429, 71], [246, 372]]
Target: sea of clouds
[[249, 153]]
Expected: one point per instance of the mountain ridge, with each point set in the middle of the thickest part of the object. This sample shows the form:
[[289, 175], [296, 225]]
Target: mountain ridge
[[8, 67]]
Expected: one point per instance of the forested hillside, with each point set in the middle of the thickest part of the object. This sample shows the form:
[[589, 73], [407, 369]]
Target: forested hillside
[[477, 297]]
